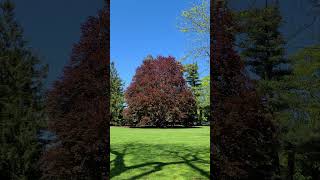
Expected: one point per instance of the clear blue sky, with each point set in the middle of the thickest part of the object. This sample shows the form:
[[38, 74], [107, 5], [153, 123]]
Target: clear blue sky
[[52, 27], [138, 28], [142, 27]]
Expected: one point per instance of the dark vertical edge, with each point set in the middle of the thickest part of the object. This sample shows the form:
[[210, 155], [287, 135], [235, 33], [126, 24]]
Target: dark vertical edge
[[108, 82], [212, 13], [106, 46]]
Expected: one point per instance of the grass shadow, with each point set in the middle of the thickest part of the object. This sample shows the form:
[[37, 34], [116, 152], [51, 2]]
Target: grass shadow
[[181, 155], [169, 127]]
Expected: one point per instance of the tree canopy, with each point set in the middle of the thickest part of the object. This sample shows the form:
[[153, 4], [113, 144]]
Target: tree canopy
[[242, 133], [158, 95], [263, 44], [117, 97], [78, 108], [21, 100], [195, 21], [295, 102]]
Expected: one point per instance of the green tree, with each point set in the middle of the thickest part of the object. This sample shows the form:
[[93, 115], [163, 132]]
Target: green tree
[[262, 44], [117, 96], [192, 75], [203, 100], [21, 100], [262, 48], [296, 105], [193, 80], [196, 22]]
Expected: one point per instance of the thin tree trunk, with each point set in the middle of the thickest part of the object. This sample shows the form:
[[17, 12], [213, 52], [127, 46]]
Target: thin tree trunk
[[291, 164], [200, 117]]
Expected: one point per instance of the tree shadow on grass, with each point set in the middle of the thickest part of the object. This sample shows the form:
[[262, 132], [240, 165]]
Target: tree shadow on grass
[[168, 127], [188, 159]]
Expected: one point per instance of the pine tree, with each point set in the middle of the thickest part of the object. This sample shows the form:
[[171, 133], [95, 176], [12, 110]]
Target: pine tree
[[21, 100], [263, 45], [193, 80], [117, 97], [263, 49], [296, 105], [192, 75]]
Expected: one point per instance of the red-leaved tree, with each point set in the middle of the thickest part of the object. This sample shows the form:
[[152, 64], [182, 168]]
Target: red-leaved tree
[[78, 108], [158, 95], [243, 141]]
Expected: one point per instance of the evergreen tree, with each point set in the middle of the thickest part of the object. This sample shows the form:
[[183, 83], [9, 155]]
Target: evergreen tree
[[296, 105], [117, 97], [262, 46], [21, 100], [192, 75], [263, 50], [193, 80], [203, 100]]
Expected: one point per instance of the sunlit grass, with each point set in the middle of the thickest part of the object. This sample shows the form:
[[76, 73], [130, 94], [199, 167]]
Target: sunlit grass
[[178, 153]]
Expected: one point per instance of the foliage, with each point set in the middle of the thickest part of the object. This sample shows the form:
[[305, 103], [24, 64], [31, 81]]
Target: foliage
[[77, 106], [192, 78], [243, 134], [296, 104], [21, 100], [158, 95], [201, 91], [203, 100], [196, 22], [117, 97], [192, 75], [261, 43]]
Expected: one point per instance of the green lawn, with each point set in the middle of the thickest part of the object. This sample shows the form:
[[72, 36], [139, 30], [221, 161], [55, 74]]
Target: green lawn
[[149, 153]]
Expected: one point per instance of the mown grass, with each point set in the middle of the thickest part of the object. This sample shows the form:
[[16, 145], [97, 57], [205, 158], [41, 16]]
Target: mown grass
[[150, 153]]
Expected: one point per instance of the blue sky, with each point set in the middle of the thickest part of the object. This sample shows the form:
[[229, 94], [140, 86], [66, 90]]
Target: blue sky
[[138, 28], [52, 27], [142, 27]]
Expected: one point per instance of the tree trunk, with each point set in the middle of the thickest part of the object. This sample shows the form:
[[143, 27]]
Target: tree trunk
[[200, 117], [291, 164], [276, 163]]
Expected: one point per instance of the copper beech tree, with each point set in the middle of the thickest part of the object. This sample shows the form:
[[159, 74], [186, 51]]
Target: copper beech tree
[[243, 141], [78, 108], [158, 95]]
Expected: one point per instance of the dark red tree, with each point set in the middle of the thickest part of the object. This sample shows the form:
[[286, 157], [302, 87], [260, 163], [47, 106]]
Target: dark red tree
[[158, 95], [78, 108], [243, 143]]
